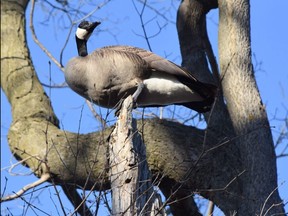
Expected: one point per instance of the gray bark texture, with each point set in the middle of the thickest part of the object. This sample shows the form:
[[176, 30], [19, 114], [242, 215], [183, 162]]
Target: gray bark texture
[[232, 162], [130, 177], [245, 108]]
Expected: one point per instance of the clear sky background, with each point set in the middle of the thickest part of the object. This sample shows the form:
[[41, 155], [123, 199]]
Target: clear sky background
[[121, 25]]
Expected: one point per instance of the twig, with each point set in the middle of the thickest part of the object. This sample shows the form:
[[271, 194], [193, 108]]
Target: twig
[[188, 173], [16, 164], [59, 198], [32, 207], [142, 22], [84, 199], [266, 200], [207, 190], [157, 11], [226, 69], [44, 178], [31, 25], [66, 42], [212, 61], [93, 11], [79, 206], [226, 186], [210, 208], [73, 23], [281, 155], [61, 85], [96, 115]]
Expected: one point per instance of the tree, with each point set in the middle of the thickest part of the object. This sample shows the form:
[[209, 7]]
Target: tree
[[236, 148]]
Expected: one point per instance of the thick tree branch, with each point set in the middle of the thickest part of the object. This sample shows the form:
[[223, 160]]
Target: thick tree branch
[[196, 49]]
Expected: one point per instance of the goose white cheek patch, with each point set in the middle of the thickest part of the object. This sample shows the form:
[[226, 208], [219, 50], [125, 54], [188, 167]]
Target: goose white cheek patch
[[82, 34]]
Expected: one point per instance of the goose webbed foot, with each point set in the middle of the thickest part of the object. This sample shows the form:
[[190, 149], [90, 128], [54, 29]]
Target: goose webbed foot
[[134, 98]]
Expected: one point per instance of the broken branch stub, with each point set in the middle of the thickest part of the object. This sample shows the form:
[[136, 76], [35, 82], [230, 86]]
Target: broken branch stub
[[132, 189]]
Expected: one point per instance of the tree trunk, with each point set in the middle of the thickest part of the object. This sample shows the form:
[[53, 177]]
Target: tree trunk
[[247, 112], [191, 25]]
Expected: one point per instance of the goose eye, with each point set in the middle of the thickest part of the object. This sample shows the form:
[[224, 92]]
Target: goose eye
[[84, 24]]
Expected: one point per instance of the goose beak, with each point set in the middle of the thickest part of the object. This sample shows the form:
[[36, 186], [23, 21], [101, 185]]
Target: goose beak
[[92, 26]]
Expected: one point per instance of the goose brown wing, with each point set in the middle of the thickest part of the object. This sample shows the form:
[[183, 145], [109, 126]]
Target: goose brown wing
[[158, 63], [154, 61]]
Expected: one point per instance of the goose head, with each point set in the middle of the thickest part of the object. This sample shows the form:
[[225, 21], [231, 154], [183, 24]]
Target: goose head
[[83, 33]]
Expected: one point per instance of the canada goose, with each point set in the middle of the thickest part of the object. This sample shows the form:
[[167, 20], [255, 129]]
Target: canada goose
[[109, 74]]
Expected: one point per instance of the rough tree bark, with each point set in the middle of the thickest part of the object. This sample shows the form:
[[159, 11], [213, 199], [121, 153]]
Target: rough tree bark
[[131, 180], [231, 163], [246, 113], [246, 110]]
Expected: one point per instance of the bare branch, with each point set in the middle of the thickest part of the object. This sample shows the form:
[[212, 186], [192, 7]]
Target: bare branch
[[157, 11], [61, 85], [227, 185], [66, 42], [16, 164], [36, 39], [93, 11], [78, 203], [33, 207], [96, 115], [140, 13], [59, 198], [44, 178], [210, 208], [264, 205], [212, 59]]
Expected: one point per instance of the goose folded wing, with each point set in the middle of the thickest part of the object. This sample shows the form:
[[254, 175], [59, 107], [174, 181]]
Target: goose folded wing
[[160, 64]]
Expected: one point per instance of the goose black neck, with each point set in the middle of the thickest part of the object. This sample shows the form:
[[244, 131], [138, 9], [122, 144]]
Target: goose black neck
[[81, 47]]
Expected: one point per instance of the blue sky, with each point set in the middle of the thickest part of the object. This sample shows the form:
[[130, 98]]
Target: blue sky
[[121, 25]]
